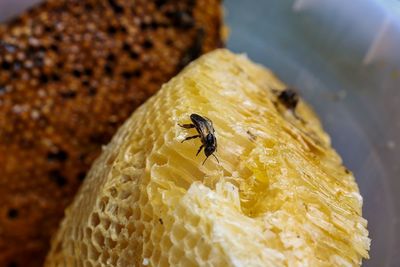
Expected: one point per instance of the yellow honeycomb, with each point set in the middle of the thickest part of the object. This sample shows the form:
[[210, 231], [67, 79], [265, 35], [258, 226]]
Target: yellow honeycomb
[[280, 195]]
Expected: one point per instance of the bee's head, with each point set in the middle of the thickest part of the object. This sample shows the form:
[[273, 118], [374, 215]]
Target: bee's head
[[210, 145], [209, 150], [289, 97]]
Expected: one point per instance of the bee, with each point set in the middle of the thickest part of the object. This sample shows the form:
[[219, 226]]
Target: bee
[[289, 98], [206, 133]]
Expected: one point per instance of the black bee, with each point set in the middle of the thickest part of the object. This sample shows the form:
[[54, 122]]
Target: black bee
[[205, 129], [289, 98]]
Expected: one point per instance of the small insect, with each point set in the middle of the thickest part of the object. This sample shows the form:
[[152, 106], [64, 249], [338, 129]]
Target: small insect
[[289, 98], [205, 130]]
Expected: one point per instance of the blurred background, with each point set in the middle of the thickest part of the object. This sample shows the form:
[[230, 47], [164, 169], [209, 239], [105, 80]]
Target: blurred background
[[344, 59]]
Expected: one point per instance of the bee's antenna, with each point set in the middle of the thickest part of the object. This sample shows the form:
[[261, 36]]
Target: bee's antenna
[[216, 158], [275, 91], [213, 156]]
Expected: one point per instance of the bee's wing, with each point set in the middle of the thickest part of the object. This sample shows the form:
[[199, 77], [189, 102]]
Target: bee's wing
[[216, 145], [210, 126], [203, 128]]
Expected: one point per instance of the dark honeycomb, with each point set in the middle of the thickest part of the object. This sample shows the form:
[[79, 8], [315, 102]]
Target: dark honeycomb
[[70, 73]]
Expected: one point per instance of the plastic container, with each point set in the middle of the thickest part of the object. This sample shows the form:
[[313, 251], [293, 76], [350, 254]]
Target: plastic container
[[344, 57]]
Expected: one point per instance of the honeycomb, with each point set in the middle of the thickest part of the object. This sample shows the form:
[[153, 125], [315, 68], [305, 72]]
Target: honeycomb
[[71, 72], [279, 195]]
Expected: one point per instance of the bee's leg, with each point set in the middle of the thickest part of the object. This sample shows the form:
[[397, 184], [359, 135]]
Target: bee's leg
[[190, 137], [298, 117], [187, 126], [198, 151]]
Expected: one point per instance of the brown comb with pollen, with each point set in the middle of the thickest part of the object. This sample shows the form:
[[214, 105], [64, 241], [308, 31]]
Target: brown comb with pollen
[[70, 73]]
